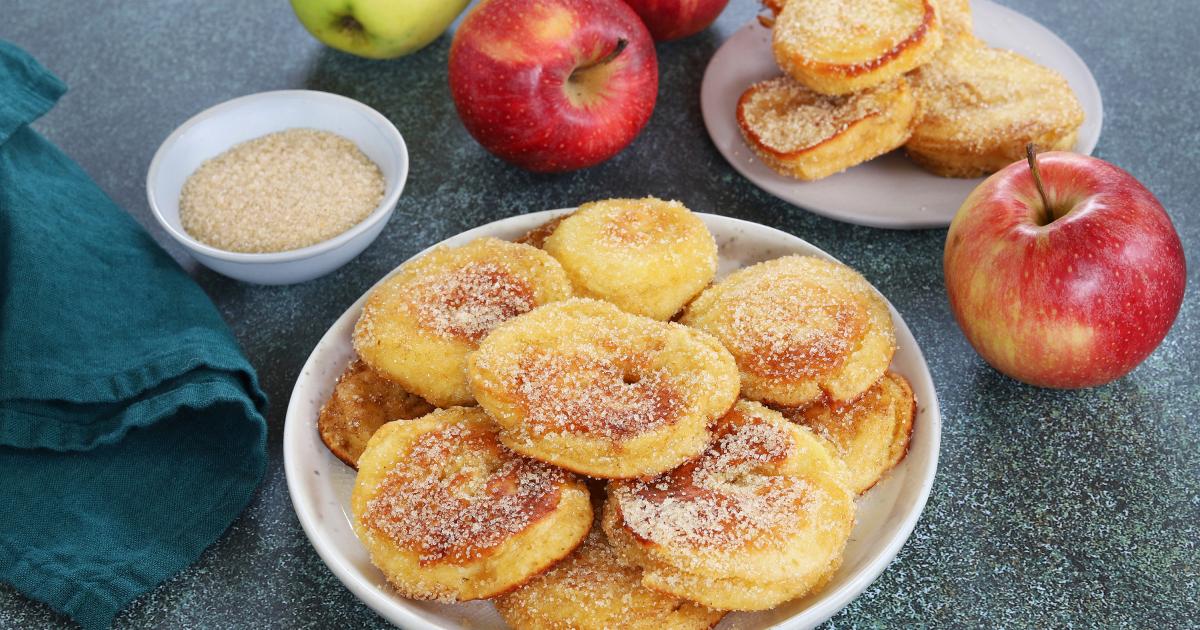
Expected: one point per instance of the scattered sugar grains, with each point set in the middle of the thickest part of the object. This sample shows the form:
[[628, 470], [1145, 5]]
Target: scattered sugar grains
[[282, 191]]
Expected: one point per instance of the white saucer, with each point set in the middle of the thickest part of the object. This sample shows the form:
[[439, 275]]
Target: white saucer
[[320, 484], [890, 191]]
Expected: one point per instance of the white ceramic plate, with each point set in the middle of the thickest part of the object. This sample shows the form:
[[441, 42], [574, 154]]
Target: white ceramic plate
[[320, 484], [889, 191]]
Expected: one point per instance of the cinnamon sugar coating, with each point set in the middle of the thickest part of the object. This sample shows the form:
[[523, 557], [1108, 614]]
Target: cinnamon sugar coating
[[448, 513], [418, 326], [760, 518]]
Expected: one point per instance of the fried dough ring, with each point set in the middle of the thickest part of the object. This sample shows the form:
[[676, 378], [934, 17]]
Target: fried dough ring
[[843, 46], [594, 589], [647, 256], [870, 434], [983, 105], [800, 327], [362, 401], [760, 518], [583, 385], [448, 513], [419, 325], [803, 134]]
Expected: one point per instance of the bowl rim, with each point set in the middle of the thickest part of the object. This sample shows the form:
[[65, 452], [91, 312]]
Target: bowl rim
[[380, 213]]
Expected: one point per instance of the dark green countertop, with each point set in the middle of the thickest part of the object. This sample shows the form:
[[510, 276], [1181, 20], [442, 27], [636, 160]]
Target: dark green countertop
[[1050, 508]]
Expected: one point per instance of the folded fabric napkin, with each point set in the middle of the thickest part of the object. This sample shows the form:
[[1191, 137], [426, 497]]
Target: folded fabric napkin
[[131, 425]]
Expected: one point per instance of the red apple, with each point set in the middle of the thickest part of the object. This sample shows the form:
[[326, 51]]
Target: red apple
[[673, 19], [553, 85], [1064, 271]]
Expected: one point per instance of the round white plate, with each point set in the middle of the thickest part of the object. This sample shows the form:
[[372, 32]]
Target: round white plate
[[320, 484], [889, 191]]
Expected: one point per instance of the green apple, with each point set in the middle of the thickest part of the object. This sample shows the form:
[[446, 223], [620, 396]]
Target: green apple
[[378, 29]]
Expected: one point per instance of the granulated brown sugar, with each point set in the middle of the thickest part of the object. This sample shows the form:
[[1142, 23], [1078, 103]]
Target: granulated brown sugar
[[285, 190]]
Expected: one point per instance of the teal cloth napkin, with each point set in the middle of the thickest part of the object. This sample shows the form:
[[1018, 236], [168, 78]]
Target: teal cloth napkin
[[131, 425]]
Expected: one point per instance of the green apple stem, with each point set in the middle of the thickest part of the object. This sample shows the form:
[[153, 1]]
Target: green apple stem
[[1031, 155]]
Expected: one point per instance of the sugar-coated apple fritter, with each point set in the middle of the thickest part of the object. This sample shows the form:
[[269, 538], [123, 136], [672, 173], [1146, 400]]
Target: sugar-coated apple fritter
[[800, 328], [584, 385], [448, 513], [647, 256], [983, 105], [843, 46], [594, 589], [362, 401], [419, 325], [803, 134], [760, 518]]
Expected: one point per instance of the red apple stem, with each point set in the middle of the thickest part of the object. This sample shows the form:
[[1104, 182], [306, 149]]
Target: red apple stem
[[621, 44], [616, 51], [1031, 155]]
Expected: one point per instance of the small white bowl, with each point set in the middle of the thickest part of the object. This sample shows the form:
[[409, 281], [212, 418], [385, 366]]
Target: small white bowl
[[218, 128]]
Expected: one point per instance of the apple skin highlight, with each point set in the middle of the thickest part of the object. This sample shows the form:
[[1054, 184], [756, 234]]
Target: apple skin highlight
[[548, 85], [1074, 302]]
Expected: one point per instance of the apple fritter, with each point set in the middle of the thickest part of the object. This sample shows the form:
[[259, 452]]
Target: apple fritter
[[647, 256], [419, 325], [871, 433], [843, 46], [983, 105], [583, 385], [595, 589], [362, 401], [800, 133], [762, 517], [800, 328], [447, 513]]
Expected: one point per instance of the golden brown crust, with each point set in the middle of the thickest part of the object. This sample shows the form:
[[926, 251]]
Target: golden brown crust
[[983, 105], [760, 518], [362, 401], [799, 327], [419, 325], [594, 589], [647, 256], [538, 235], [448, 513], [871, 434], [800, 133], [843, 46], [587, 387]]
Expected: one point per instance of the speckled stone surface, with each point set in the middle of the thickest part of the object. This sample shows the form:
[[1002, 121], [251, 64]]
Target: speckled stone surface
[[1049, 509]]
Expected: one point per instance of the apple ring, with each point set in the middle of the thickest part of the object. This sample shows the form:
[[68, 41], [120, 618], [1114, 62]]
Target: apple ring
[[419, 325], [594, 589], [800, 327], [983, 105], [802, 134], [583, 385], [647, 256], [362, 401], [843, 46], [762, 517], [447, 513], [871, 434]]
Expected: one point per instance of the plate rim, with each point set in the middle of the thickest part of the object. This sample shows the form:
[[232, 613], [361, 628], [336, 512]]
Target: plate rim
[[889, 222], [395, 612]]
